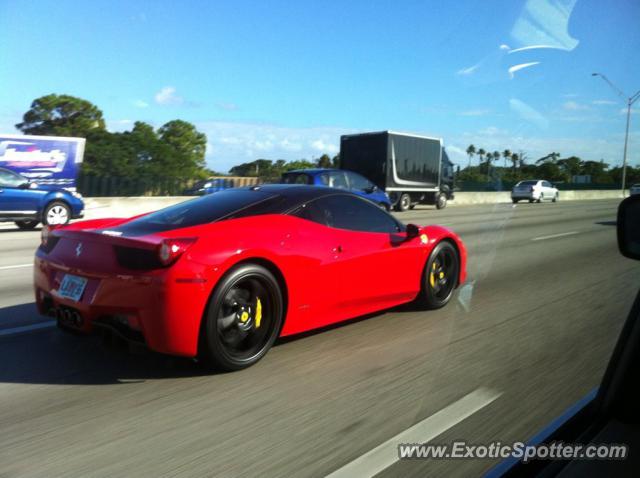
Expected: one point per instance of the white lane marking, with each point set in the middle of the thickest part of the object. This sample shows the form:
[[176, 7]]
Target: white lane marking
[[386, 454], [27, 328], [17, 266], [553, 236]]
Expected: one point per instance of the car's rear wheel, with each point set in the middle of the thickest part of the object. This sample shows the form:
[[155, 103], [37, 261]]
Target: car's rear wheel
[[440, 276], [27, 225], [556, 197], [515, 201], [541, 198], [243, 318], [56, 213]]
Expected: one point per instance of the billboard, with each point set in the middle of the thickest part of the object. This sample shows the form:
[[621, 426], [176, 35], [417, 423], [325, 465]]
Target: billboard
[[47, 160]]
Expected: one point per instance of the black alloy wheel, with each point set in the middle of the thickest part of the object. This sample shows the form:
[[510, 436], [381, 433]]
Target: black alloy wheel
[[243, 318], [440, 276]]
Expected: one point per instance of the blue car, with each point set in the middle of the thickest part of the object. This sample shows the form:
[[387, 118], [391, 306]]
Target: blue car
[[28, 204], [208, 186], [337, 178]]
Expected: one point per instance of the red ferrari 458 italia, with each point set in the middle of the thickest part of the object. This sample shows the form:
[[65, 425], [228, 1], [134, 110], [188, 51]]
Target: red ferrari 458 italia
[[222, 276]]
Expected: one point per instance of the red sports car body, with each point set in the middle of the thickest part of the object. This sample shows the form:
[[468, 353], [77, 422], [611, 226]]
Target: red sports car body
[[153, 278]]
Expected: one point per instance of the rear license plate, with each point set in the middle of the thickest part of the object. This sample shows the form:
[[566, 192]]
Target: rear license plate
[[72, 287]]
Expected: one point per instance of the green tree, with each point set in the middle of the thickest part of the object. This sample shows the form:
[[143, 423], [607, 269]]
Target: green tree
[[571, 165], [515, 160], [109, 154], [506, 154], [179, 152], [481, 152], [471, 151], [62, 115], [335, 161], [324, 161]]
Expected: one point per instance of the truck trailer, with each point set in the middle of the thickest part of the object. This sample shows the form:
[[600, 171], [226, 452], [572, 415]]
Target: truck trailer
[[412, 169]]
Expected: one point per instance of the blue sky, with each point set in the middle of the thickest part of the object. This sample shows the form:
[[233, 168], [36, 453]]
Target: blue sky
[[285, 79]]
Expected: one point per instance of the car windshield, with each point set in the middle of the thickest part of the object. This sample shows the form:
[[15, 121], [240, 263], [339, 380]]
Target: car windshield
[[469, 291]]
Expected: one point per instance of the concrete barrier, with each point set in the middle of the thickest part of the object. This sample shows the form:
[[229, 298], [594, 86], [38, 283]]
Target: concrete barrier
[[96, 208], [132, 206], [491, 197]]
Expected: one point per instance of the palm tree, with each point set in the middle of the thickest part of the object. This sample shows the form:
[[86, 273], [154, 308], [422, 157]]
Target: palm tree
[[471, 150], [481, 152], [507, 156], [514, 159]]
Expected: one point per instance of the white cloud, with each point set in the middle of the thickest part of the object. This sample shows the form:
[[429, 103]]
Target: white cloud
[[603, 102], [468, 71], [324, 147], [608, 148], [231, 143], [140, 104], [478, 112], [167, 96], [574, 106]]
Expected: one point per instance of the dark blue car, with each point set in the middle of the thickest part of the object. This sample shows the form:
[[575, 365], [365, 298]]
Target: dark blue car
[[337, 178], [28, 204]]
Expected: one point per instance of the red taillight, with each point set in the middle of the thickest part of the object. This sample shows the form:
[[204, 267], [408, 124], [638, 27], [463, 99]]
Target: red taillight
[[171, 249], [45, 234]]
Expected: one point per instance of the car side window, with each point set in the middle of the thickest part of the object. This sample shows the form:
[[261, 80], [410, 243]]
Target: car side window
[[546, 184], [348, 212], [10, 180], [358, 182], [337, 179], [314, 211]]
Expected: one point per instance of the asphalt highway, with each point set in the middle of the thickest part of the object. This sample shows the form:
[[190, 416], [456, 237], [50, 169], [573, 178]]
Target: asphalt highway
[[529, 334]]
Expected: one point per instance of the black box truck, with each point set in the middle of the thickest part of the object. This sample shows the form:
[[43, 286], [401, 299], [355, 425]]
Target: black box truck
[[412, 169]]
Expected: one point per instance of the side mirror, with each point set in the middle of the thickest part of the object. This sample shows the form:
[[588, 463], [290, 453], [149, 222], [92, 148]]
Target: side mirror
[[412, 231], [370, 189], [629, 227], [26, 185]]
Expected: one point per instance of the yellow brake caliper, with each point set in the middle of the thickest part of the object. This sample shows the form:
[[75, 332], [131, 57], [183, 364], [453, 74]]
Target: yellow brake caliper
[[258, 312], [432, 276]]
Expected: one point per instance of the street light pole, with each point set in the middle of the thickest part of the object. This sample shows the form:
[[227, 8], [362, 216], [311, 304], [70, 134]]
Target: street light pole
[[629, 100]]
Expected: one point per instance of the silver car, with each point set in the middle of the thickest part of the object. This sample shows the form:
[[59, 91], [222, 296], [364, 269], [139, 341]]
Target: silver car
[[534, 190], [634, 189]]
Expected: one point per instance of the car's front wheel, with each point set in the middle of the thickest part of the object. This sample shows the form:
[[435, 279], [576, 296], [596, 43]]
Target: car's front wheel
[[440, 276], [56, 213], [27, 225], [556, 197], [243, 318]]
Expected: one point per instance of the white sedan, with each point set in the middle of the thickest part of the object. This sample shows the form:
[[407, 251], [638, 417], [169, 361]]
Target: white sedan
[[634, 189], [534, 190]]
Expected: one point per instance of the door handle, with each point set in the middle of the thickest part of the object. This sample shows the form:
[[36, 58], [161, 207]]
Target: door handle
[[337, 249]]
